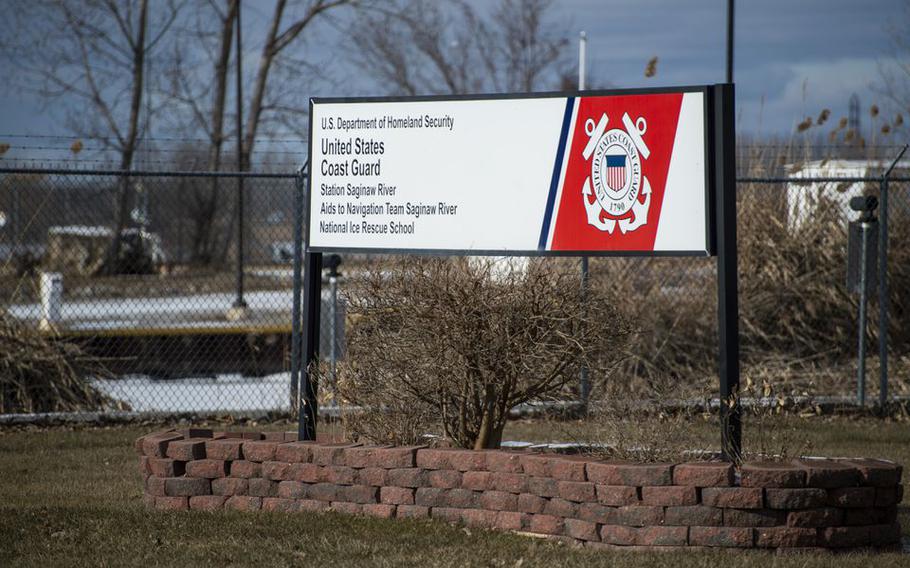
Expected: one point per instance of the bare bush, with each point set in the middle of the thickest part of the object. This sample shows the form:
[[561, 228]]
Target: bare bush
[[454, 345], [39, 373]]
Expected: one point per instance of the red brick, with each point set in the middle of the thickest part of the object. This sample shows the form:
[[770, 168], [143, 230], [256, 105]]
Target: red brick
[[226, 435], [186, 450], [578, 491], [444, 478], [291, 436], [462, 498], [479, 518], [828, 474], [166, 467], [372, 476], [809, 498], [259, 487], [661, 536], [280, 505], [156, 445], [195, 432], [637, 516], [887, 496], [348, 508], [273, 436], [477, 480], [207, 502], [672, 495], [694, 516], [358, 494], [618, 535], [784, 537], [503, 462], [209, 469], [323, 491], [313, 506], [703, 474], [381, 456], [461, 460], [877, 473], [844, 537], [379, 510], [430, 497], [560, 508], [720, 537], [339, 474], [155, 486], [593, 512], [885, 535], [292, 490], [224, 449], [616, 495], [360, 456], [172, 503], [543, 486], [552, 466], [499, 501], [243, 503], [852, 497], [582, 530], [259, 451], [545, 524], [295, 452], [754, 517], [733, 497], [412, 512], [246, 469], [408, 477], [230, 486], [187, 486], [528, 503], [144, 466], [772, 474], [446, 514], [509, 521], [307, 472], [396, 495], [823, 517], [633, 474], [861, 517], [251, 435], [511, 482]]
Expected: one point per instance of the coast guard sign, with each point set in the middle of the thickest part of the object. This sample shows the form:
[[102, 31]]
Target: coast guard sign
[[622, 172]]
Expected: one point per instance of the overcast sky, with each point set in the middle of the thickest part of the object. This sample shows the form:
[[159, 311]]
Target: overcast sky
[[793, 58]]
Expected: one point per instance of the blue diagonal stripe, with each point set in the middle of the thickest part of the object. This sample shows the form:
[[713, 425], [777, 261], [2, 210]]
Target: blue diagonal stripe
[[554, 181]]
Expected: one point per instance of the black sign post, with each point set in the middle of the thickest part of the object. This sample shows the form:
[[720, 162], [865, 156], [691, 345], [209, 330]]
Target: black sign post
[[727, 279]]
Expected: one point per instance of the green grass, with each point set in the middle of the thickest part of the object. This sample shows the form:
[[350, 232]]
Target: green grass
[[72, 498]]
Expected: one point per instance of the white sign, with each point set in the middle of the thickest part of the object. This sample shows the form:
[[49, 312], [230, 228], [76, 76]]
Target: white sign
[[602, 174]]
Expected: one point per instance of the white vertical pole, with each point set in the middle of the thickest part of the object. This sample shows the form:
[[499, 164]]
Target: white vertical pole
[[584, 384], [582, 46]]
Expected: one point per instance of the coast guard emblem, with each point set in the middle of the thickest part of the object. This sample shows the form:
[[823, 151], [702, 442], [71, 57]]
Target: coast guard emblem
[[616, 182]]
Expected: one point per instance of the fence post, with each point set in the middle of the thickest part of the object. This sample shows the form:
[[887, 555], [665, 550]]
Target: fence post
[[312, 298], [883, 300], [295, 303]]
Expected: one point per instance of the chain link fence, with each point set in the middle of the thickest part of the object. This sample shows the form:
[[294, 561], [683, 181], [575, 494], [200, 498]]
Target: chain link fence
[[164, 308]]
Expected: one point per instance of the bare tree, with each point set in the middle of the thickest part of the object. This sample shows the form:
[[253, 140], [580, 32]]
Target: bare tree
[[93, 52], [429, 47], [208, 36]]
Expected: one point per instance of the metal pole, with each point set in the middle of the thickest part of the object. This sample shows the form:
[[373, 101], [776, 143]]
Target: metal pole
[[863, 280], [298, 284], [883, 298], [312, 298], [333, 331], [727, 279], [239, 302], [584, 387], [730, 7]]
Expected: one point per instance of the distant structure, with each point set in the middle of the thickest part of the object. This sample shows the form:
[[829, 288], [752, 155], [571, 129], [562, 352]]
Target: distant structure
[[853, 116]]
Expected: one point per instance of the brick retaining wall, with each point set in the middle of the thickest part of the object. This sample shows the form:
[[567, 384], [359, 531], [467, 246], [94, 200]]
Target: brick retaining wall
[[802, 504]]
